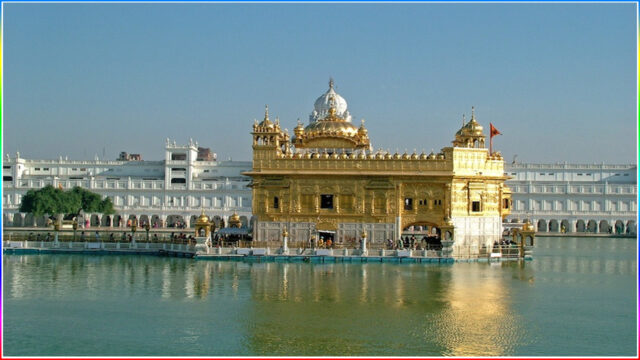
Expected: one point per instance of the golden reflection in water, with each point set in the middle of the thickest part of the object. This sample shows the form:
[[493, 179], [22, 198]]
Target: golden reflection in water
[[479, 319], [166, 281]]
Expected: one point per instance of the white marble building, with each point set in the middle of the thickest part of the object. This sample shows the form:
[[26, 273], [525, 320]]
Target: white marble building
[[579, 197], [164, 192]]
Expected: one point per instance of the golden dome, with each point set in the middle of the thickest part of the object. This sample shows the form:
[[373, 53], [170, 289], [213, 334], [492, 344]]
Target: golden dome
[[266, 122], [202, 219], [472, 128], [298, 130], [334, 130], [362, 131], [234, 220], [328, 127]]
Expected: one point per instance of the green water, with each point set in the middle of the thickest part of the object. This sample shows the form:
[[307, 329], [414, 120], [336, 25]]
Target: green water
[[577, 297]]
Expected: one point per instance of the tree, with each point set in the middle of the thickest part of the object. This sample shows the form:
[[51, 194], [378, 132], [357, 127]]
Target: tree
[[50, 200]]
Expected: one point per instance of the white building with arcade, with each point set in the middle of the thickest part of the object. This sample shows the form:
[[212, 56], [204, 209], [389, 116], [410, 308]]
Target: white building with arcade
[[595, 198], [164, 193]]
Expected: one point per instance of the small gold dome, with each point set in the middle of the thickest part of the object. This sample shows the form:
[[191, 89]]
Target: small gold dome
[[362, 131], [266, 123], [234, 220], [202, 219]]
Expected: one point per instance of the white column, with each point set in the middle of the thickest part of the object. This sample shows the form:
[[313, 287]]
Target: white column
[[364, 242], [285, 238]]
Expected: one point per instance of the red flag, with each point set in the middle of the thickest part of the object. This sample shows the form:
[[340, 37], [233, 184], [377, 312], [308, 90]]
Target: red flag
[[494, 131]]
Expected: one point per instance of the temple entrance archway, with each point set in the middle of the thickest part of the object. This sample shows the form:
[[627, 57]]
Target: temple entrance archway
[[604, 226], [580, 226], [592, 226], [554, 226]]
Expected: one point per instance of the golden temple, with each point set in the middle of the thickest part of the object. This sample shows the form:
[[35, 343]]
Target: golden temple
[[327, 180]]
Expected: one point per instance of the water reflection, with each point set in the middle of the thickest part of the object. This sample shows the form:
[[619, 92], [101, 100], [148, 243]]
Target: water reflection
[[480, 319], [341, 309]]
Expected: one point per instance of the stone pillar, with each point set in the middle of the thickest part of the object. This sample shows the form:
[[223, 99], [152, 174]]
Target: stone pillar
[[363, 246], [163, 220]]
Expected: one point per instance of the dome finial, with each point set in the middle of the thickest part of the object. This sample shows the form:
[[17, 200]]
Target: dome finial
[[330, 82], [266, 112], [473, 114], [463, 119]]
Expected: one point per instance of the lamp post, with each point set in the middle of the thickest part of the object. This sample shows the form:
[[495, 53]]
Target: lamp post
[[75, 227], [56, 228], [285, 237], [219, 241], [134, 227], [147, 228], [364, 242]]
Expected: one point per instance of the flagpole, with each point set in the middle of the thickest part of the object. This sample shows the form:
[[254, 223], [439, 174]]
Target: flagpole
[[490, 144]]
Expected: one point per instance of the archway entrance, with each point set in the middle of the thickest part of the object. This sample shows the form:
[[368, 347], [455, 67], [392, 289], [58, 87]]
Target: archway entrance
[[631, 227], [421, 235], [553, 226], [542, 226], [117, 221], [176, 221], [17, 220]]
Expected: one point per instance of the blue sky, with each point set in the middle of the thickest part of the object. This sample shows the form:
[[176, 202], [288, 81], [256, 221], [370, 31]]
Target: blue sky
[[558, 80]]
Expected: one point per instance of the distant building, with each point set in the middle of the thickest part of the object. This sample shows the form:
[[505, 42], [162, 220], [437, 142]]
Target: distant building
[[205, 154], [124, 156], [167, 192], [577, 197]]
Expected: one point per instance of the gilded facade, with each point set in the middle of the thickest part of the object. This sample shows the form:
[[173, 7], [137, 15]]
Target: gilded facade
[[326, 180]]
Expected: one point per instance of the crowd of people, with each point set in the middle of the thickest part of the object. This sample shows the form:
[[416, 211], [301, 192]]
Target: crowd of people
[[411, 242]]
